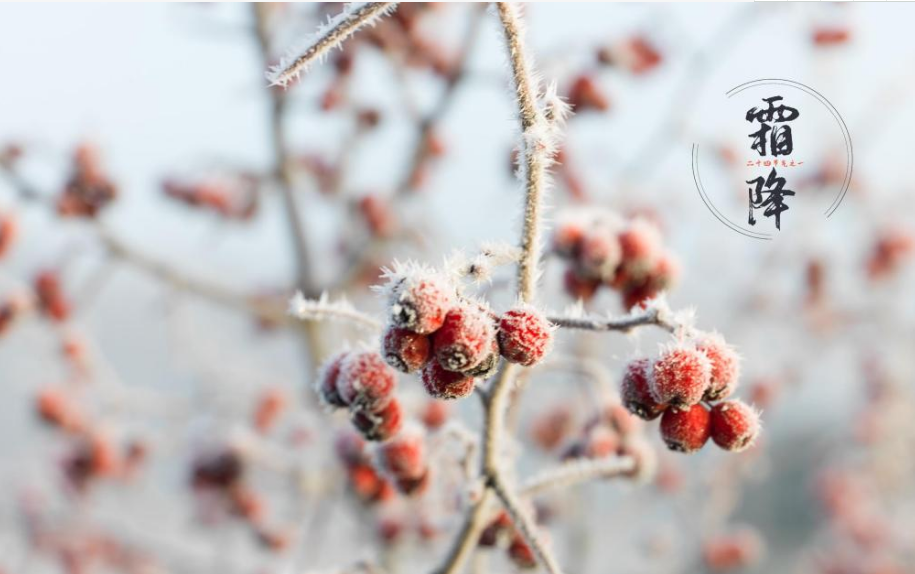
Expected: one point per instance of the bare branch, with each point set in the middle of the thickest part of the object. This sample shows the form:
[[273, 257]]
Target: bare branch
[[651, 316], [525, 524], [337, 30]]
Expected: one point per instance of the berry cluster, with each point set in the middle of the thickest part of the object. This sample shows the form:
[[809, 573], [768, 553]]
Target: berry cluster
[[362, 382], [451, 340], [683, 386], [603, 249]]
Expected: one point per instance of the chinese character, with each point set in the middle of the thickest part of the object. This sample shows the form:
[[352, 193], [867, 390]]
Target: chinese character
[[779, 137], [773, 187]]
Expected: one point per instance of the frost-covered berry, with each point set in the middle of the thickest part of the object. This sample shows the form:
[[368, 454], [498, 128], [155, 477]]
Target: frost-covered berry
[[380, 425], [464, 339], [680, 376], [405, 350], [567, 238], [326, 385], [487, 366], [635, 391], [525, 336], [442, 384], [365, 381], [725, 366], [686, 430], [734, 425], [404, 456], [420, 303]]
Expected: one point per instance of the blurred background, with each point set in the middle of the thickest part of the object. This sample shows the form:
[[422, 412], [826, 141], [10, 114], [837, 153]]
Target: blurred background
[[159, 204]]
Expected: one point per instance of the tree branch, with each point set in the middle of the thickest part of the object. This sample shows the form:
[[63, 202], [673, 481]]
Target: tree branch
[[577, 472]]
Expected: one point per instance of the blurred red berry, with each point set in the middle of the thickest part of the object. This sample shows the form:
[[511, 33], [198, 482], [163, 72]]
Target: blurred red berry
[[50, 295], [586, 94], [327, 382], [379, 425]]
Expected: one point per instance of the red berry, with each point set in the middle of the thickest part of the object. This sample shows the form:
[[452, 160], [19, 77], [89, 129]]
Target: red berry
[[600, 254], [551, 427], [636, 393], [734, 425], [350, 448], [490, 535], [620, 419], [368, 485], [567, 239], [380, 425], [680, 376], [725, 366], [442, 384], [579, 287], [487, 366], [404, 456], [365, 381], [405, 350], [640, 243], [434, 414], [521, 553], [421, 303], [732, 551], [600, 441], [50, 296], [586, 94], [464, 339], [327, 383], [525, 336], [686, 430], [413, 486]]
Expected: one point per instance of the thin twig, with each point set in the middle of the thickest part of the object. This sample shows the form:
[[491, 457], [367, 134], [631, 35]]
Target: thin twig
[[577, 472], [536, 149], [651, 316], [344, 25], [525, 523]]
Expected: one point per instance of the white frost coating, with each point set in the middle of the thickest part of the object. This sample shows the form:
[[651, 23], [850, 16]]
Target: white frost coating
[[323, 309], [330, 35]]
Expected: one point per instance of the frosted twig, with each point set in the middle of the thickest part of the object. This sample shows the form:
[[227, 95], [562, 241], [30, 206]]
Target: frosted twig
[[651, 316], [329, 36], [577, 472], [536, 150], [323, 309]]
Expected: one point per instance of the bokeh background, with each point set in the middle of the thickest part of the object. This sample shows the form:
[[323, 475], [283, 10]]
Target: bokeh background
[[823, 315]]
